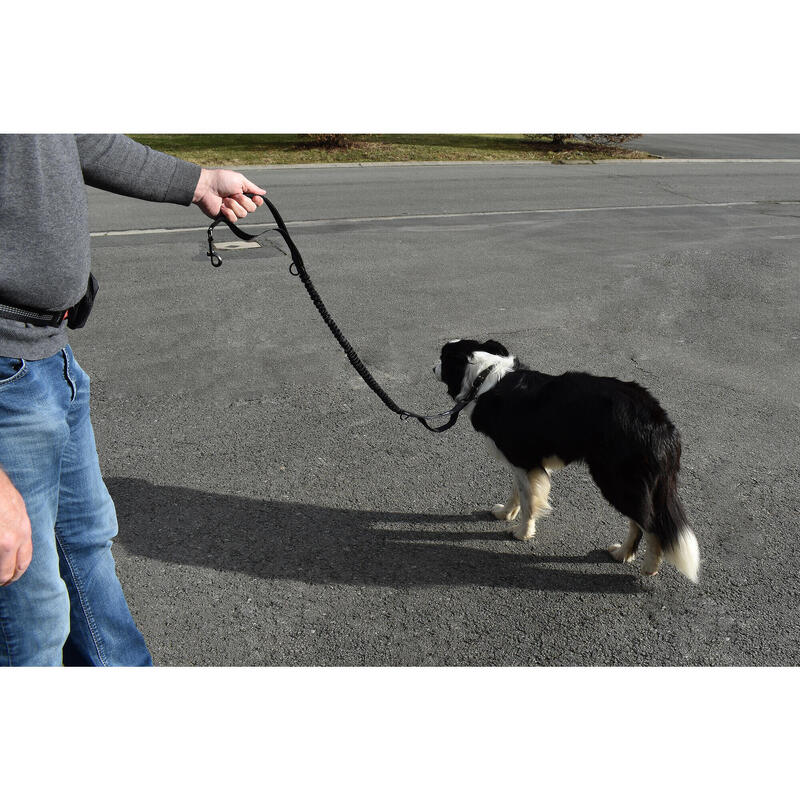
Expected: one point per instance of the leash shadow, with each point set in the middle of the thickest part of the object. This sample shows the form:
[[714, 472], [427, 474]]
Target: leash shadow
[[280, 540]]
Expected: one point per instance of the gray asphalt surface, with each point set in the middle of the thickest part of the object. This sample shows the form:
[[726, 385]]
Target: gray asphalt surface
[[720, 145], [272, 511]]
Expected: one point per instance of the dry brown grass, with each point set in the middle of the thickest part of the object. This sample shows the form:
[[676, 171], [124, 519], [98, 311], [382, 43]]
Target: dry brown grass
[[254, 149]]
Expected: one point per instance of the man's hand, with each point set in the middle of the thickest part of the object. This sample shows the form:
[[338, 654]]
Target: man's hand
[[222, 190], [16, 547]]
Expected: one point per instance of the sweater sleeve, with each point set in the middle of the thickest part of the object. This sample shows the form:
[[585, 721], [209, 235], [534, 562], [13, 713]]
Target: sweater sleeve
[[118, 164]]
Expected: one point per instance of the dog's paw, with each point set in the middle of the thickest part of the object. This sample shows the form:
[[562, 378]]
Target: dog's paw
[[645, 570], [500, 512], [618, 554], [524, 533]]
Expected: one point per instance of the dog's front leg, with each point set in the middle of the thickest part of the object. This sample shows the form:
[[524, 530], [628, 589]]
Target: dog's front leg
[[510, 509], [533, 488]]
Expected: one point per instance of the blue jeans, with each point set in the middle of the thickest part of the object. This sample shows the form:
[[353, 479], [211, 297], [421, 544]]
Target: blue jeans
[[68, 607]]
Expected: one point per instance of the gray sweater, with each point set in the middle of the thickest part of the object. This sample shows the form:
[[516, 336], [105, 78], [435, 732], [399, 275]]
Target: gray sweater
[[44, 224]]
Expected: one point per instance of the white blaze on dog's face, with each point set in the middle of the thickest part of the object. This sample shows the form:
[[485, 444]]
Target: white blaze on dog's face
[[462, 360]]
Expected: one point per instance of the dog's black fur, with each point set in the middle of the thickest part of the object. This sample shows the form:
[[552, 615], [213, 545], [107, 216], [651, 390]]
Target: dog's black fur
[[617, 428]]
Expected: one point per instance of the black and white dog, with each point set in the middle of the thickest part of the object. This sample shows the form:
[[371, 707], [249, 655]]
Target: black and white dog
[[537, 423]]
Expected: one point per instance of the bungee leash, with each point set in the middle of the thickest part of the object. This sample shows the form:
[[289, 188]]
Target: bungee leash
[[297, 267]]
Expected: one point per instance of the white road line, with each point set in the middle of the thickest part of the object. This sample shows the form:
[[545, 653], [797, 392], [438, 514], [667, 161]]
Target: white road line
[[461, 215], [145, 231]]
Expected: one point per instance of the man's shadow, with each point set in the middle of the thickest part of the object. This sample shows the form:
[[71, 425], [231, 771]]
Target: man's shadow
[[317, 545]]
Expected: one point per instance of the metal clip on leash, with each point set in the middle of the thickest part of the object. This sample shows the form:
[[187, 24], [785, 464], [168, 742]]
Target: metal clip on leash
[[216, 259], [297, 267]]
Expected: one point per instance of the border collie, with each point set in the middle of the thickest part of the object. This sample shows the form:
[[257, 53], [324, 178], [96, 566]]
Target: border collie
[[537, 423]]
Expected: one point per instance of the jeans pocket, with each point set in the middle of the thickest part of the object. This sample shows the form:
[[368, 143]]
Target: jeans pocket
[[11, 370]]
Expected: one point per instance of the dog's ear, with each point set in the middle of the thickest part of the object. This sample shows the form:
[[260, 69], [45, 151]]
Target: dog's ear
[[495, 348]]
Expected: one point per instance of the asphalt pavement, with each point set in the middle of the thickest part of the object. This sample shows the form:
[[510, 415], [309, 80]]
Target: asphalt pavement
[[719, 145], [273, 512]]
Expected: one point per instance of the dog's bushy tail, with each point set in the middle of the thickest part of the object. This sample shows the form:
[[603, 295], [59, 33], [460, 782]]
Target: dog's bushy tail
[[671, 527]]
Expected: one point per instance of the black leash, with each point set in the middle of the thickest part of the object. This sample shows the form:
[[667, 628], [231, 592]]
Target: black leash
[[297, 267]]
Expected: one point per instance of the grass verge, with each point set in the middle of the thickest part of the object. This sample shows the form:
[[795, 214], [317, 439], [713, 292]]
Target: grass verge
[[256, 148]]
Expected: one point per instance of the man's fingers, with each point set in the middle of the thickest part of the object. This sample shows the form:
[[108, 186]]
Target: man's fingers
[[18, 573], [8, 570], [244, 201], [24, 557], [14, 562], [250, 187], [233, 210], [223, 192], [8, 559], [237, 206], [256, 191], [16, 547]]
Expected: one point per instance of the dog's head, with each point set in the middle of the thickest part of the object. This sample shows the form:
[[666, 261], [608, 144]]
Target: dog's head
[[462, 360]]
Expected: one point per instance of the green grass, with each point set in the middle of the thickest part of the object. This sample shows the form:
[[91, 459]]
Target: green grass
[[256, 148]]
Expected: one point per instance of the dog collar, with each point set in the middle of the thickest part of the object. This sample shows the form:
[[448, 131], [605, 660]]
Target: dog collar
[[479, 381], [455, 410]]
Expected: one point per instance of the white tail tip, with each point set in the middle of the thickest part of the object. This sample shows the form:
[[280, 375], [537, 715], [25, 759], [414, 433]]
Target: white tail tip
[[686, 555]]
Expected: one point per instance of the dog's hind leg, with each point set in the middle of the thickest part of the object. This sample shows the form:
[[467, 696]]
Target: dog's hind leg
[[509, 510], [533, 488], [652, 558], [627, 552]]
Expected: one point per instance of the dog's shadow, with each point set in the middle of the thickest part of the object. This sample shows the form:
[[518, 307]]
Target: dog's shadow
[[288, 541]]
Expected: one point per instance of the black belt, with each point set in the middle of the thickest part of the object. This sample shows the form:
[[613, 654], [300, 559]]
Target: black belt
[[76, 316], [31, 315]]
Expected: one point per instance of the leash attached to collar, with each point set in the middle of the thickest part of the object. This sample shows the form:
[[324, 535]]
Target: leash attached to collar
[[460, 405], [297, 267]]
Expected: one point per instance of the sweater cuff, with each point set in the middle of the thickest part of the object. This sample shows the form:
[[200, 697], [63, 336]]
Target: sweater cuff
[[184, 182]]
